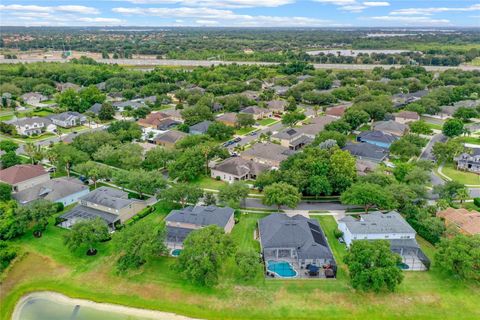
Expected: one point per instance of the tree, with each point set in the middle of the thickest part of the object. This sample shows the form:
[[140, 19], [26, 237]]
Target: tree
[[233, 194], [203, 253], [87, 233], [460, 256], [106, 112], [183, 193], [187, 166], [340, 126], [342, 171], [404, 149], [453, 127], [445, 152], [291, 118], [248, 265], [209, 199], [420, 127], [125, 130], [355, 118], [34, 152], [7, 254], [139, 242], [94, 171], [281, 194], [8, 146], [9, 159], [449, 190], [141, 181], [319, 185], [325, 135], [68, 156], [90, 142], [292, 104], [196, 114], [37, 213], [372, 266], [220, 131], [368, 195], [244, 120], [462, 195], [465, 114], [5, 192], [158, 158]]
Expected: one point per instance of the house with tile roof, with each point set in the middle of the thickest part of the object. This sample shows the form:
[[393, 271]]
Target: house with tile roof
[[466, 222], [24, 176]]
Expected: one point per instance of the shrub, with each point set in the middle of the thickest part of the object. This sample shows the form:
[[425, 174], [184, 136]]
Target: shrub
[[476, 201], [337, 233]]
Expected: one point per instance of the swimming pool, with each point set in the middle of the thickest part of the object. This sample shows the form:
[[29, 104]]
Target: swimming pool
[[176, 252], [281, 268]]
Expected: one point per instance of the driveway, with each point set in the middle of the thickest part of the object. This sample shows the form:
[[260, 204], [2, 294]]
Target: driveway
[[427, 151]]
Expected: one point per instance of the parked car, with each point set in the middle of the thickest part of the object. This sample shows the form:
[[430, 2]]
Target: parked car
[[237, 139]]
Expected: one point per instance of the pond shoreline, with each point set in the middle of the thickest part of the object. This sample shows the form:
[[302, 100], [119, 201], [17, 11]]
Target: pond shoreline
[[107, 307]]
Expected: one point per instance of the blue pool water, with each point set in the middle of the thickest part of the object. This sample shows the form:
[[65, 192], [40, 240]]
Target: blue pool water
[[176, 252], [281, 268]]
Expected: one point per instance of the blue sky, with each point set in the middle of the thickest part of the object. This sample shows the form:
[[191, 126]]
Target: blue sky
[[242, 13]]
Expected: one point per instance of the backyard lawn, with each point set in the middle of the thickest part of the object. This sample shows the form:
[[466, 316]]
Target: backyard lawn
[[463, 177], [48, 265], [244, 131], [208, 183]]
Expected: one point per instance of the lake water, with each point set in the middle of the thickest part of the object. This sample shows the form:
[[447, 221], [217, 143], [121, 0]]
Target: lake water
[[47, 308]]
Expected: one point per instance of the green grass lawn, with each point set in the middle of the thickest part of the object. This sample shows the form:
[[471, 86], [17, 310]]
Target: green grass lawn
[[472, 140], [48, 265], [244, 131], [364, 127], [209, 183], [267, 122], [461, 176]]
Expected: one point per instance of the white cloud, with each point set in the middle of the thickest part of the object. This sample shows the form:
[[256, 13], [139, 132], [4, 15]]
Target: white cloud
[[376, 4], [338, 2], [35, 8], [431, 11], [353, 8], [223, 17], [218, 3], [411, 21], [102, 21], [207, 22]]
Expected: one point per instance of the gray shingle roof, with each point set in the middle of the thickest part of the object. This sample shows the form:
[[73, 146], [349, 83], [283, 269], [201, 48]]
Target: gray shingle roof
[[30, 121], [52, 190], [201, 127], [268, 151], [305, 235], [378, 223], [95, 108], [68, 115], [366, 150], [108, 197], [239, 167], [202, 215], [171, 136], [389, 126], [378, 136]]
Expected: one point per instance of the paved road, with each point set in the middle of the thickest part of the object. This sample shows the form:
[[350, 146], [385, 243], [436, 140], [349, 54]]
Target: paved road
[[206, 63], [427, 152]]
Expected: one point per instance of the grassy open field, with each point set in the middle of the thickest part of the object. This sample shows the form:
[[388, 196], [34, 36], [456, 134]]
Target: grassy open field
[[48, 265]]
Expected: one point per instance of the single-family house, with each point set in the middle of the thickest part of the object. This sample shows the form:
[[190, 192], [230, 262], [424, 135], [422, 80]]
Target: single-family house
[[152, 120], [336, 112], [267, 153], [281, 90], [217, 107], [121, 106], [402, 99], [200, 128], [24, 176], [469, 162], [378, 138], [365, 167], [390, 126], [366, 151], [175, 114], [32, 126], [296, 243], [236, 168], [111, 205], [67, 85], [167, 124], [277, 106], [228, 118], [33, 98], [466, 222], [95, 108], [181, 222], [405, 117], [68, 119], [252, 95], [257, 112], [169, 138], [389, 226], [62, 190]]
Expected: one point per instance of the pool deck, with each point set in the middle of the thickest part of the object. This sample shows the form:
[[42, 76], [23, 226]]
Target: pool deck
[[301, 273]]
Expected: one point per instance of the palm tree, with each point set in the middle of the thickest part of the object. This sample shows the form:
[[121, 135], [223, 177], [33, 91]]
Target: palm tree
[[315, 110], [463, 195], [34, 152]]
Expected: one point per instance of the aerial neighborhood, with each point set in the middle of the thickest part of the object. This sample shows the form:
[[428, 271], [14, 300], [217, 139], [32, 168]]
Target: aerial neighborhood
[[239, 190]]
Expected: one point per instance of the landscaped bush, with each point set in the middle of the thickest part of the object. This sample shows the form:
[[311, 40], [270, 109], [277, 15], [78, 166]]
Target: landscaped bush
[[476, 201], [337, 233]]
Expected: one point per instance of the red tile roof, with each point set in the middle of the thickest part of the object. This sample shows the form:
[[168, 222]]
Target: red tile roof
[[336, 111], [467, 221], [21, 172]]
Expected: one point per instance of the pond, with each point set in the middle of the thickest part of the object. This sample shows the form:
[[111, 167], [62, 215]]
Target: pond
[[54, 306]]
